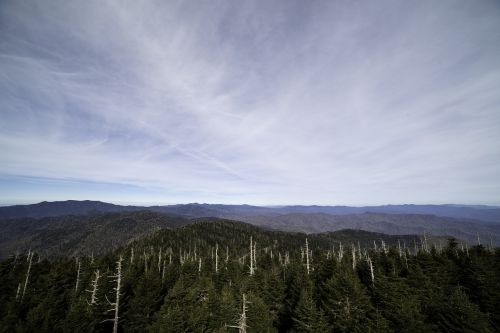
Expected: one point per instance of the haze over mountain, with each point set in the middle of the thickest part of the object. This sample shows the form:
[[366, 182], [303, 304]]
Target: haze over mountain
[[69, 226], [97, 233], [58, 208]]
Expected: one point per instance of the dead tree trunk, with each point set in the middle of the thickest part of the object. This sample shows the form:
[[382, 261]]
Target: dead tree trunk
[[307, 256], [341, 252], [30, 259], [216, 257], [255, 256], [242, 322], [78, 276], [371, 270], [425, 243], [159, 261], [18, 291], [353, 258], [163, 271], [95, 288], [116, 303], [251, 257]]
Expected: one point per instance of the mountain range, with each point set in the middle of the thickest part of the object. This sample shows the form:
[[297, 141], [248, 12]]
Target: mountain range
[[74, 207], [72, 226]]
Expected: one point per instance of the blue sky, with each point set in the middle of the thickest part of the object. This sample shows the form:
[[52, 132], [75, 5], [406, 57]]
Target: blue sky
[[259, 102]]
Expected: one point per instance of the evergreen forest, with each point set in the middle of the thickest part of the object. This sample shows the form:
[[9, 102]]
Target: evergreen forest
[[224, 276]]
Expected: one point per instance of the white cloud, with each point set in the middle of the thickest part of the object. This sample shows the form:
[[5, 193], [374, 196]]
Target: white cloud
[[327, 102]]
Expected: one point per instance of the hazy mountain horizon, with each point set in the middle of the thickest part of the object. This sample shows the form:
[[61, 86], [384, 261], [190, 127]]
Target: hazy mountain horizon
[[151, 204], [459, 221]]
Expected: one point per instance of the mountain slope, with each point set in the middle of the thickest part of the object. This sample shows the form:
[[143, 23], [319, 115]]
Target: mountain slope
[[196, 277], [59, 208], [384, 223], [77, 235], [74, 235]]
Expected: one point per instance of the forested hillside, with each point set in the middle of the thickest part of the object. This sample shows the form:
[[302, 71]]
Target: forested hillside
[[461, 222], [221, 276], [74, 207], [77, 235], [393, 224]]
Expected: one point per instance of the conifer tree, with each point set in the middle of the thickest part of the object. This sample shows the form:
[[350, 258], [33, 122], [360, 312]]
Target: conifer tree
[[307, 317], [347, 305]]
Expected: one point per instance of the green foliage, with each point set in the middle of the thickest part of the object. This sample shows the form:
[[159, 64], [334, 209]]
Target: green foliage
[[448, 290], [306, 316]]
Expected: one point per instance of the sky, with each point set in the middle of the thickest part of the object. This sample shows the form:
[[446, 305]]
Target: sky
[[257, 102]]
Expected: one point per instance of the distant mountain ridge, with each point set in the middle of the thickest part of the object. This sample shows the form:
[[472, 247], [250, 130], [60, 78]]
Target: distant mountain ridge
[[71, 235], [391, 224], [73, 207], [60, 208], [77, 235], [463, 222]]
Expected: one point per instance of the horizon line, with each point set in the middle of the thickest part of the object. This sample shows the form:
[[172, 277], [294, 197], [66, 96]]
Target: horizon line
[[153, 204]]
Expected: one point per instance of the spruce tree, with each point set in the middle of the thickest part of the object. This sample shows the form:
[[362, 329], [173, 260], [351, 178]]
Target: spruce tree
[[306, 316]]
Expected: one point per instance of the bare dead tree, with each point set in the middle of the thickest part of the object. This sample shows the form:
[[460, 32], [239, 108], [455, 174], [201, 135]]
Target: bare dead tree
[[159, 261], [242, 321], [307, 256], [370, 264], [163, 270], [30, 260], [255, 255], [216, 257], [426, 244], [251, 257], [116, 304], [18, 291], [353, 250], [384, 248], [341, 252], [95, 288], [78, 275]]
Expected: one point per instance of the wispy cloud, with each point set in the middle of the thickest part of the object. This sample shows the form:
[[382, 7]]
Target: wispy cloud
[[260, 102]]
